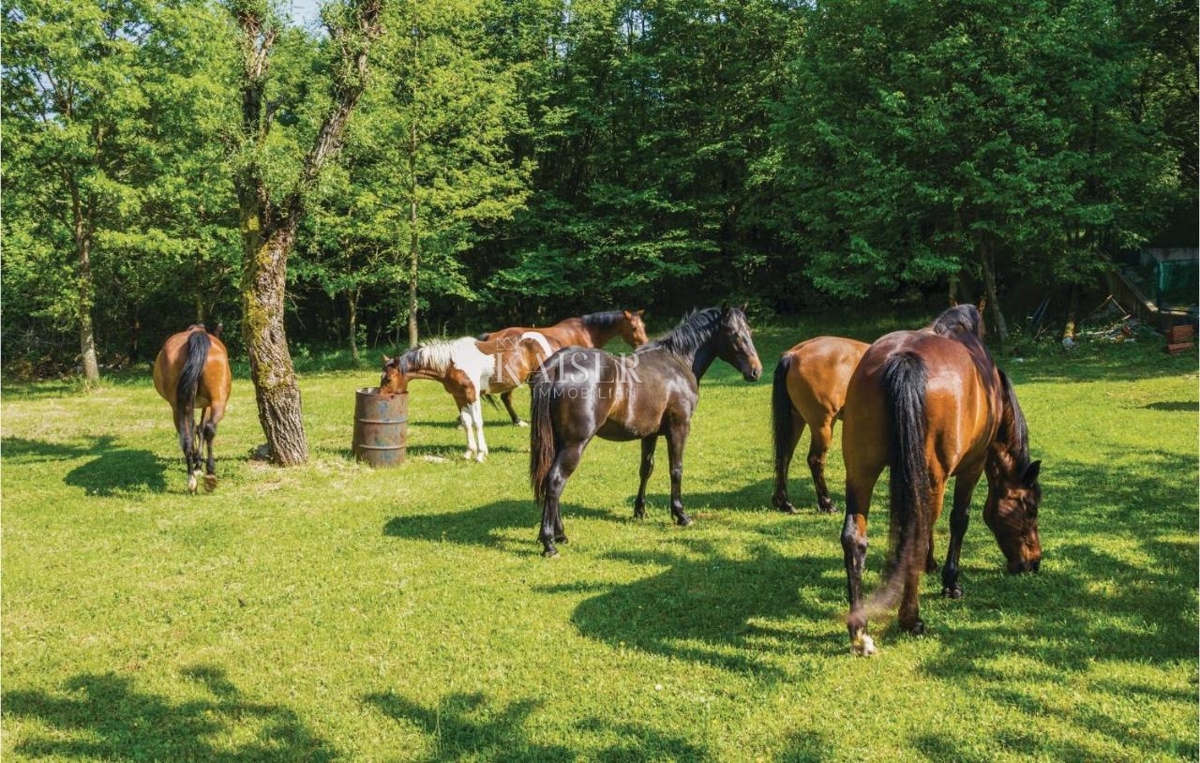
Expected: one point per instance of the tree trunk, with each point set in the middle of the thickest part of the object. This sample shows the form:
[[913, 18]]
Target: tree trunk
[[414, 242], [352, 304], [276, 389], [1072, 312], [989, 284], [83, 251]]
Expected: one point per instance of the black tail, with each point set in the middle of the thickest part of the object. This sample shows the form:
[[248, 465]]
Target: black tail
[[904, 384], [189, 381], [781, 413], [541, 433]]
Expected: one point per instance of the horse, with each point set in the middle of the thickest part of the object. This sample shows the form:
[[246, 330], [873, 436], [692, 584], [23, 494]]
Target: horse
[[580, 393], [931, 404], [192, 369], [468, 368], [591, 330], [809, 389]]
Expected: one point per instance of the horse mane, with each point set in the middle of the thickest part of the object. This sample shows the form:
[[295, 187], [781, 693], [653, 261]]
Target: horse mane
[[695, 329], [602, 321], [435, 356], [1013, 430], [964, 319]]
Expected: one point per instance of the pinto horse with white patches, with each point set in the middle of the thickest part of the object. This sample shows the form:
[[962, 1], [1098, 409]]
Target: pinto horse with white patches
[[467, 369], [591, 330]]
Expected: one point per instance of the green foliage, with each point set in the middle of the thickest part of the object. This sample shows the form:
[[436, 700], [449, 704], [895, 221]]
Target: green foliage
[[332, 612]]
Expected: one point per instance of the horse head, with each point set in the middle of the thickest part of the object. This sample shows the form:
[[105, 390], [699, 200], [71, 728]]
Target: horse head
[[633, 328], [393, 381], [736, 347], [1011, 512]]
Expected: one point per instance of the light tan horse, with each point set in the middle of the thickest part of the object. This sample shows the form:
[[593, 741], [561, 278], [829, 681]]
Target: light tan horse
[[810, 390], [591, 330], [192, 370]]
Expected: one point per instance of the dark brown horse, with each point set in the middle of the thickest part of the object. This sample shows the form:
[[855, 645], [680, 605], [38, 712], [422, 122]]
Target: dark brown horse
[[591, 330], [930, 405], [810, 390], [581, 393], [192, 370]]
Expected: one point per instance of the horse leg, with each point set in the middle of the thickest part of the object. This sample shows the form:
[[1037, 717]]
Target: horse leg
[[565, 462], [964, 486], [467, 422], [212, 416], [184, 426], [647, 468], [817, 449], [477, 416], [782, 463], [676, 439], [854, 553], [506, 398], [909, 617]]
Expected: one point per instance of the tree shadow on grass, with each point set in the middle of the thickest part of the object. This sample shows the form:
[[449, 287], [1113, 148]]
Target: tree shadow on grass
[[113, 469], [470, 725], [728, 612], [104, 717]]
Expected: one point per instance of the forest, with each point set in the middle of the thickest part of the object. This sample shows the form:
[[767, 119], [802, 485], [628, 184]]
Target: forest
[[413, 168]]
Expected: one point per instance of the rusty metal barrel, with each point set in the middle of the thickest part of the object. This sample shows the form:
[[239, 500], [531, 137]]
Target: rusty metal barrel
[[380, 427]]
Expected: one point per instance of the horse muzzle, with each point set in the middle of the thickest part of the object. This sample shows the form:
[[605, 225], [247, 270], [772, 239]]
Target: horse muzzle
[[1024, 565], [754, 373]]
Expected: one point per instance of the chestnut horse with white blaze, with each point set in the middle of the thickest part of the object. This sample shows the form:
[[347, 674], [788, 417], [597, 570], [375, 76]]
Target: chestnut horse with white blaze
[[810, 390], [192, 370], [929, 405], [468, 368], [591, 330]]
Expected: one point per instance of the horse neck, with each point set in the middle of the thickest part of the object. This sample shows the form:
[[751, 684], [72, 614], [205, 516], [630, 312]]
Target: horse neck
[[696, 346], [601, 335], [1008, 454]]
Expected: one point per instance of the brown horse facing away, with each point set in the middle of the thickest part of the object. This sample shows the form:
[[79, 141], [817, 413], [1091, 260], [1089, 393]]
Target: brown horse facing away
[[591, 330], [192, 370], [810, 390], [930, 405]]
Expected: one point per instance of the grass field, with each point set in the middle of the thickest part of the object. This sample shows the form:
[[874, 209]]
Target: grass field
[[335, 612]]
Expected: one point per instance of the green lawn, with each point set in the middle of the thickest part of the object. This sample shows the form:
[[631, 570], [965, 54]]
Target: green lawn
[[335, 612]]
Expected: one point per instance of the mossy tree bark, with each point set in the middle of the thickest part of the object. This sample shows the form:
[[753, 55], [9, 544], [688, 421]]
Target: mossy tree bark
[[269, 228]]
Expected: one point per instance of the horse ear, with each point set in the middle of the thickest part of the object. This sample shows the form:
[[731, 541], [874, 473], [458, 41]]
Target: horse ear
[[953, 302], [641, 312], [982, 303], [627, 314], [1031, 473], [386, 360], [725, 306], [744, 306]]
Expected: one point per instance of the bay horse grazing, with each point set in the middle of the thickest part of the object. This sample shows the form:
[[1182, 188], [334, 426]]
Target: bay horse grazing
[[192, 370], [810, 390], [591, 330], [468, 368], [581, 393], [929, 405]]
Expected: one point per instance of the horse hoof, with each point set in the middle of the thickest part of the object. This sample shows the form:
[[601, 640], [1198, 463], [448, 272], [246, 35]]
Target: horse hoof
[[210, 483], [916, 628], [550, 553], [952, 592], [521, 423], [469, 455], [830, 509], [192, 484], [683, 520], [479, 457], [787, 507], [863, 646], [561, 539]]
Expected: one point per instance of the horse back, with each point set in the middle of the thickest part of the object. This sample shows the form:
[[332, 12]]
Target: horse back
[[962, 400], [819, 374]]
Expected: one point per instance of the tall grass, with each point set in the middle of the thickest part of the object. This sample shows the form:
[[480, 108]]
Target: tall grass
[[335, 612]]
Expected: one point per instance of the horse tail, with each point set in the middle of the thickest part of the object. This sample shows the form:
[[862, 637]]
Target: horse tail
[[488, 396], [541, 433], [781, 411], [905, 381], [196, 351]]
